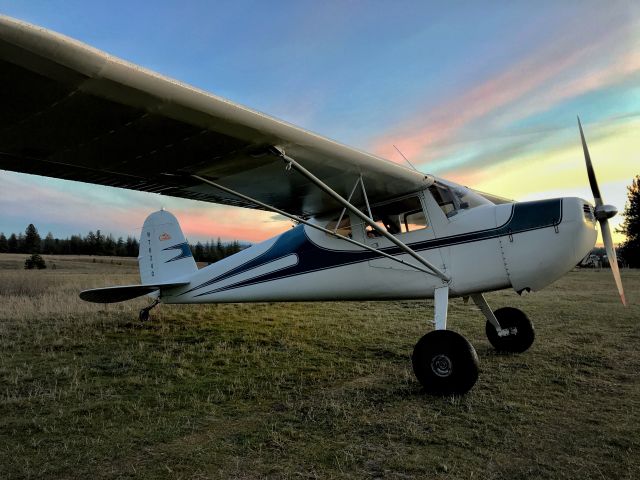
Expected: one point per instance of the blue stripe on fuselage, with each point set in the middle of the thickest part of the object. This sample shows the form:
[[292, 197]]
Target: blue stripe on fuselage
[[524, 217]]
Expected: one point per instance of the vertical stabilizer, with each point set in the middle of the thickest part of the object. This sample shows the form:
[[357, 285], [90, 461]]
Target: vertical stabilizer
[[164, 254]]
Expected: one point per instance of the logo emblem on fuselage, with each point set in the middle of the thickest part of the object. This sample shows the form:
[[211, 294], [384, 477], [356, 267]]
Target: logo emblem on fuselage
[[164, 236]]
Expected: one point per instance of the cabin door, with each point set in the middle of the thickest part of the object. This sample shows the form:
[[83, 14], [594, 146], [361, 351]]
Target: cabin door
[[406, 219]]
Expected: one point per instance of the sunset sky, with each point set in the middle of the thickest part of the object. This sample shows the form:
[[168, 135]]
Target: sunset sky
[[482, 93]]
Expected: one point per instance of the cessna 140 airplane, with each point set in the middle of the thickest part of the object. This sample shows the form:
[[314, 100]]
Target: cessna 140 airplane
[[368, 229]]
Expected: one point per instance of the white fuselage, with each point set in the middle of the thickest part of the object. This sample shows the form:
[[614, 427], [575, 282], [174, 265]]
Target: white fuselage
[[524, 245]]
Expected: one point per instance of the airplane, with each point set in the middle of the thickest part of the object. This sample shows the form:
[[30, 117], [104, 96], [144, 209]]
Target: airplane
[[366, 228]]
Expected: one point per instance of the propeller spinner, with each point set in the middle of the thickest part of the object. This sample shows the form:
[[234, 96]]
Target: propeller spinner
[[603, 213]]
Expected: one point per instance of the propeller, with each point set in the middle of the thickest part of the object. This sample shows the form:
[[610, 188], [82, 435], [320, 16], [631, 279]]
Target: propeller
[[603, 213]]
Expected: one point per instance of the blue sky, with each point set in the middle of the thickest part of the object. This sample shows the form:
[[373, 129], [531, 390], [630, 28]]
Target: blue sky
[[479, 92]]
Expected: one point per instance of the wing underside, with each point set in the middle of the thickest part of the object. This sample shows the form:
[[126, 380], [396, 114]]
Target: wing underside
[[72, 112]]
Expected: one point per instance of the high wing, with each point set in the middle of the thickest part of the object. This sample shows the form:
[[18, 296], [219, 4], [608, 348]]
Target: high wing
[[70, 111]]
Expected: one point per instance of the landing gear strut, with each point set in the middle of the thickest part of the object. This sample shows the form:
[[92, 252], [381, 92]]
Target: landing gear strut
[[444, 362], [144, 313]]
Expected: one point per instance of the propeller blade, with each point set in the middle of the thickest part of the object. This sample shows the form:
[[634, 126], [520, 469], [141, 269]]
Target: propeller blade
[[613, 260], [592, 176]]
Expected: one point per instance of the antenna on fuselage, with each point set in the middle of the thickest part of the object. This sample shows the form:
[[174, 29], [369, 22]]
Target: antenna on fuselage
[[410, 164]]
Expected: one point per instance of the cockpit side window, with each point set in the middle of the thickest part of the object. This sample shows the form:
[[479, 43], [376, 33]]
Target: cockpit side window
[[398, 217], [445, 199]]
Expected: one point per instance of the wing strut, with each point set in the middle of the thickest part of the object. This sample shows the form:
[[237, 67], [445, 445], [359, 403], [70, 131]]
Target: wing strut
[[312, 225], [356, 211]]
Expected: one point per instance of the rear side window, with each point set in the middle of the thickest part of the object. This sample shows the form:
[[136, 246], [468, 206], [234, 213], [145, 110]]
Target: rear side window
[[401, 216]]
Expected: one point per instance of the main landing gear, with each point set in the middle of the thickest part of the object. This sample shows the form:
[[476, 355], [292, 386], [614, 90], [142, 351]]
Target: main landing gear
[[144, 313], [445, 363]]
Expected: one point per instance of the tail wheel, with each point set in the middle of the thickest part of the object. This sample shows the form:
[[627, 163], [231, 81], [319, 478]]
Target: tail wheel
[[445, 363], [518, 331]]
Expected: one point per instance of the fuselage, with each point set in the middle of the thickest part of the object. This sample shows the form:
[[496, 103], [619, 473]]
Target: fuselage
[[481, 246]]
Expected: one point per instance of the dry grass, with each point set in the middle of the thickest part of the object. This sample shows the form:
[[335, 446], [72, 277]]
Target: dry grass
[[307, 390]]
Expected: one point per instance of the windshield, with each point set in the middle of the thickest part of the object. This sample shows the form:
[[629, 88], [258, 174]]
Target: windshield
[[453, 198]]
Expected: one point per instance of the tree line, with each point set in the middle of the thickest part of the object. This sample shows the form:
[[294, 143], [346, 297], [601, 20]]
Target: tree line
[[99, 244]]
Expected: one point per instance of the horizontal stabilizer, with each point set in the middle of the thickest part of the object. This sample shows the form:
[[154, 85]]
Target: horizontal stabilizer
[[126, 292]]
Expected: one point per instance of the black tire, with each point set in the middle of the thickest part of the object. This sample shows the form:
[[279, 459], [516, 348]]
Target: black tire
[[522, 332], [445, 363], [144, 315]]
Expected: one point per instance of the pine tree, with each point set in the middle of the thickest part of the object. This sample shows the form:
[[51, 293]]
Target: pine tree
[[131, 247], [109, 246], [13, 243], [121, 250], [32, 241], [219, 249], [199, 252], [630, 249], [76, 245], [100, 243], [49, 244], [4, 244]]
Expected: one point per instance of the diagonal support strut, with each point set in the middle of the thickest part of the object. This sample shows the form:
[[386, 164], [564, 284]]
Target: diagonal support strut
[[336, 196]]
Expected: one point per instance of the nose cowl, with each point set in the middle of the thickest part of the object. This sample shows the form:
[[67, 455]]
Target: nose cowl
[[563, 233]]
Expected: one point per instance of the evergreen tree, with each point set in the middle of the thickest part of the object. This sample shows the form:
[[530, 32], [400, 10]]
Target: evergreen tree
[[76, 245], [219, 250], [630, 249], [121, 249], [109, 246], [131, 247], [34, 261], [21, 243], [90, 243], [32, 239], [99, 243], [4, 244], [199, 252], [49, 244], [13, 243]]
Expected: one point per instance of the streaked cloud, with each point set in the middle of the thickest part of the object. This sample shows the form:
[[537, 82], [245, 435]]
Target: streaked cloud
[[562, 68]]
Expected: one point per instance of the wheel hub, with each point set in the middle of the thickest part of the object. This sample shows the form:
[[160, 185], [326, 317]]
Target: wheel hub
[[441, 365]]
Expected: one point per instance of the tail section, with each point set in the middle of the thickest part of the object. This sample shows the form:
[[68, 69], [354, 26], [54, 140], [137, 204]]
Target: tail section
[[164, 255]]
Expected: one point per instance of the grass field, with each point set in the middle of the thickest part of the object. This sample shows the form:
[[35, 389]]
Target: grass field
[[306, 390]]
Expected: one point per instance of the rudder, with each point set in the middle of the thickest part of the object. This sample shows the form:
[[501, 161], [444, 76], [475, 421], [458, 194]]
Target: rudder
[[164, 254]]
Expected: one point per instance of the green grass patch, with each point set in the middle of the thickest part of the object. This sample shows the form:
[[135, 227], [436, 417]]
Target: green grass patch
[[308, 390]]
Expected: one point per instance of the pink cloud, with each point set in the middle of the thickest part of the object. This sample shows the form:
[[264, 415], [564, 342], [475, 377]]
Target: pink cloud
[[543, 79], [229, 223], [82, 209], [622, 67]]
